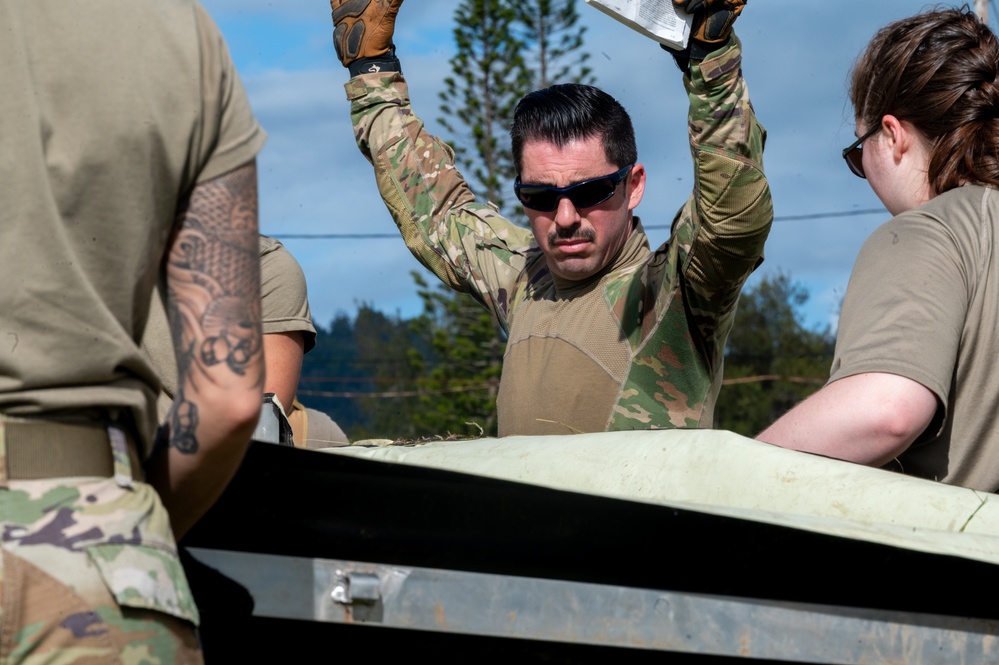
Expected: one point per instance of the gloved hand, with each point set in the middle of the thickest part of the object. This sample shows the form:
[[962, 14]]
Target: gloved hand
[[362, 29], [713, 19], [709, 31]]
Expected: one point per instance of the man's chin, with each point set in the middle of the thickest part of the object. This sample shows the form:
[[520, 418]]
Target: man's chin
[[573, 269]]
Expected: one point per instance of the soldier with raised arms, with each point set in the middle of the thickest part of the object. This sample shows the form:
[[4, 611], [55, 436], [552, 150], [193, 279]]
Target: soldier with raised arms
[[604, 333]]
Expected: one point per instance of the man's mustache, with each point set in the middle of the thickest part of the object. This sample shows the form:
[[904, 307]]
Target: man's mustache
[[571, 234]]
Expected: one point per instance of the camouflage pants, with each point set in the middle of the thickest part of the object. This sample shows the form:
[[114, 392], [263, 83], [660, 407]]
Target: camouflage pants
[[89, 574]]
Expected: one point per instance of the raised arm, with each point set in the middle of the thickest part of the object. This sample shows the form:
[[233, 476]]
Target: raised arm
[[466, 243], [213, 282], [725, 223], [718, 235]]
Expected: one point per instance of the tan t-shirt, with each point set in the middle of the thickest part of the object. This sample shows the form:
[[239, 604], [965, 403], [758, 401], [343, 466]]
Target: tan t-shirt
[[110, 112], [923, 303], [314, 429], [284, 307], [565, 339]]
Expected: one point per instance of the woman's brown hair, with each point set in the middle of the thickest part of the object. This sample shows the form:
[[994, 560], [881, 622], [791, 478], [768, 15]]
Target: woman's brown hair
[[938, 71]]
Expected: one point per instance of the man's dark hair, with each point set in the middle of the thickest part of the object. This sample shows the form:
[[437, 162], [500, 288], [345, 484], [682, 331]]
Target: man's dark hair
[[569, 112]]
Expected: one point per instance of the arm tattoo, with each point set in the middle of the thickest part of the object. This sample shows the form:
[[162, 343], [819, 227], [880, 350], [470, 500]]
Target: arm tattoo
[[213, 280]]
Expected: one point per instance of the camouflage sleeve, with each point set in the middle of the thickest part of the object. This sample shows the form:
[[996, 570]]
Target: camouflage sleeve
[[719, 233], [468, 245]]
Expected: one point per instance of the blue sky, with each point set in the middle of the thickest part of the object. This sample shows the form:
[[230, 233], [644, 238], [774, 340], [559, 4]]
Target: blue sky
[[313, 180]]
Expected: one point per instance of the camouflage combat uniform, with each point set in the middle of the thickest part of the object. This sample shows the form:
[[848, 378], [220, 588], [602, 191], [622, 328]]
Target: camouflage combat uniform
[[640, 344], [90, 565]]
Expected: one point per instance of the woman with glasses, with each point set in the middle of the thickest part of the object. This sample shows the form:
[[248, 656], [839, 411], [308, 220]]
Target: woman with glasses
[[914, 380]]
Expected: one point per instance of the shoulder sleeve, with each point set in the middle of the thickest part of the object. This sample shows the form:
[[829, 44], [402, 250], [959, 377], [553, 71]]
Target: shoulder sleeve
[[718, 235], [231, 135], [284, 304], [906, 304], [468, 245]]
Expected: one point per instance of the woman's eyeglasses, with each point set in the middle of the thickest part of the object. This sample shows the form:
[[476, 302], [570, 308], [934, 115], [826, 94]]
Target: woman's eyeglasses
[[854, 153], [584, 194]]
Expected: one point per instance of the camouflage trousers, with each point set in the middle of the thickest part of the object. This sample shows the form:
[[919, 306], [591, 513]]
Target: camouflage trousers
[[90, 574]]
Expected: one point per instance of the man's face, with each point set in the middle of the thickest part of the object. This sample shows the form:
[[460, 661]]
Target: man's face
[[579, 243]]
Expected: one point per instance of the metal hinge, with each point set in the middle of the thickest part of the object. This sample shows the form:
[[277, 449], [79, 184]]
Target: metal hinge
[[350, 588]]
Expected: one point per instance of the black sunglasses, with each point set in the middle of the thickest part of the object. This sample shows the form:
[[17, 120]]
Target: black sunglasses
[[854, 155], [584, 194]]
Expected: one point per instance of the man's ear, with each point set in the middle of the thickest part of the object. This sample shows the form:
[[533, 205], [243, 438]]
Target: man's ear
[[636, 186]]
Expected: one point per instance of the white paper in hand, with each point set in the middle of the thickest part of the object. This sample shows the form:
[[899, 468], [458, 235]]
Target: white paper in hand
[[657, 19]]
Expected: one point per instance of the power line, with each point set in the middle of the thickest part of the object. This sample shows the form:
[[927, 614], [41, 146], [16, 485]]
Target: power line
[[827, 215], [814, 215], [383, 236], [383, 379], [396, 393]]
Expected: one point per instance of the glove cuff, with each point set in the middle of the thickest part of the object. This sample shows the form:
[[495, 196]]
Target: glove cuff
[[382, 63], [680, 56], [696, 50]]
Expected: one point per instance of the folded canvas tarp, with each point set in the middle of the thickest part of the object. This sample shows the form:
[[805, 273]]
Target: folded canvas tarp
[[723, 473]]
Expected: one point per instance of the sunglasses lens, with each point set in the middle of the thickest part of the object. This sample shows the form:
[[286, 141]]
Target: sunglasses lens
[[538, 198], [589, 194], [583, 195], [855, 160], [854, 153]]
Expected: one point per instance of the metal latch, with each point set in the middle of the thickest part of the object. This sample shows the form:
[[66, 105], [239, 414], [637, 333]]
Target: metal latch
[[350, 588]]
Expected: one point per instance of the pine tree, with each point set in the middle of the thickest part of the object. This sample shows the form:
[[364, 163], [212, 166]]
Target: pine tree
[[459, 367], [772, 361], [382, 353], [554, 42], [488, 79]]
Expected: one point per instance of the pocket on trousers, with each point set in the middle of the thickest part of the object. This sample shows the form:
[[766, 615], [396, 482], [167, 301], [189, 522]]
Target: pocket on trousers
[[145, 577]]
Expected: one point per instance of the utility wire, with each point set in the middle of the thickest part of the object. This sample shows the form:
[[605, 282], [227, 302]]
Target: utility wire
[[396, 393], [382, 379], [382, 236], [814, 215]]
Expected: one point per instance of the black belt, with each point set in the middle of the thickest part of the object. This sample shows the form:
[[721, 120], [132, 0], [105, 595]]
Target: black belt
[[38, 449]]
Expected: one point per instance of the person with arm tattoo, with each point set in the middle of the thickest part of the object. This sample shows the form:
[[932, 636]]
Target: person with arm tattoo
[[288, 334], [213, 303], [126, 157]]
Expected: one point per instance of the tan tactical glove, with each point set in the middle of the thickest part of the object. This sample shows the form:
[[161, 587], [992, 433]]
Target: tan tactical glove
[[362, 30], [713, 19], [710, 29]]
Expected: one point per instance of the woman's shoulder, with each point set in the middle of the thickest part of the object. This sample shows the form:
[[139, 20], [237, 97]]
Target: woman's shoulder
[[965, 203], [956, 227]]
